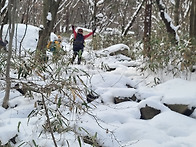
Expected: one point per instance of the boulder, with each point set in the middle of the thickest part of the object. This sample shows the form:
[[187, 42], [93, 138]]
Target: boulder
[[91, 141], [117, 49], [91, 97], [123, 51], [148, 112], [22, 89], [181, 108], [124, 99]]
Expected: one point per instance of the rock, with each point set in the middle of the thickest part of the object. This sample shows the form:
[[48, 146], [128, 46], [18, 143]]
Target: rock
[[91, 97], [22, 90], [193, 68], [110, 69], [117, 49], [118, 100], [129, 86], [181, 108], [13, 139], [122, 49], [91, 140], [124, 99], [148, 112]]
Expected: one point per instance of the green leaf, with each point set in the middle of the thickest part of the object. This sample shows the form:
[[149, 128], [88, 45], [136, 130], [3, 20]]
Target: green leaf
[[34, 143], [59, 102], [79, 141], [21, 144], [19, 72], [19, 123]]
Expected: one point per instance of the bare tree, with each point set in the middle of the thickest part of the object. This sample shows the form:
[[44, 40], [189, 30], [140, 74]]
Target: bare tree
[[147, 27], [11, 18], [171, 29], [176, 12], [184, 16], [193, 22]]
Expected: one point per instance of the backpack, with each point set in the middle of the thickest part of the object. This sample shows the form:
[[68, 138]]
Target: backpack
[[78, 42], [53, 46]]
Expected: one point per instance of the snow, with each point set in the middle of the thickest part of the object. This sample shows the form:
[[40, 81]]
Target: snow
[[115, 48], [175, 28], [173, 2], [49, 16], [117, 125], [30, 38], [100, 2], [184, 93]]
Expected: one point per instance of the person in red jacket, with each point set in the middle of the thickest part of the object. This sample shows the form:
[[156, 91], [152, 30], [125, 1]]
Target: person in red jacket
[[78, 43]]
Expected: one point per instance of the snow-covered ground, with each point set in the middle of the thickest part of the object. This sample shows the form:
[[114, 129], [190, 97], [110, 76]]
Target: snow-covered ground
[[111, 125]]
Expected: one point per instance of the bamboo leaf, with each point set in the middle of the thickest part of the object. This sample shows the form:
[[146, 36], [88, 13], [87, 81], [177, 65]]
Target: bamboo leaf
[[73, 93], [19, 123], [55, 99], [39, 74], [34, 143], [79, 141], [81, 81], [21, 144], [59, 102]]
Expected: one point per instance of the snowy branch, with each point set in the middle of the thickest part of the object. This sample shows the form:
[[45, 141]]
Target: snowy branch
[[132, 19], [168, 21]]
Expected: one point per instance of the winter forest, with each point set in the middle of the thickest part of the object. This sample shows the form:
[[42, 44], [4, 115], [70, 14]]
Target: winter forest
[[135, 85]]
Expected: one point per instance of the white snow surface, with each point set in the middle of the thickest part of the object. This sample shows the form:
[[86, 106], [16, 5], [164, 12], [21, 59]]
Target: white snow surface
[[49, 16], [27, 35], [112, 125]]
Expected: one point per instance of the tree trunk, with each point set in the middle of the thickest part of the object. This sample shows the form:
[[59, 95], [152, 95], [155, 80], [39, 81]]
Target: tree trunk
[[147, 28], [176, 12], [94, 24], [193, 22], [11, 16], [49, 7], [94, 16], [67, 17], [171, 29]]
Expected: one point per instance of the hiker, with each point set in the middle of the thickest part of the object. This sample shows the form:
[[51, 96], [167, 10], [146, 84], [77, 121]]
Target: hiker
[[55, 47], [78, 43], [3, 44]]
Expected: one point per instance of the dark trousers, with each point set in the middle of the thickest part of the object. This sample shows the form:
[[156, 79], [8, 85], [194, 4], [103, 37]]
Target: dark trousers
[[79, 54]]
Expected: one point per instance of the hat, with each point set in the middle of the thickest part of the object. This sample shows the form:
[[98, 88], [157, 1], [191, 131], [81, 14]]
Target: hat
[[80, 30], [59, 38]]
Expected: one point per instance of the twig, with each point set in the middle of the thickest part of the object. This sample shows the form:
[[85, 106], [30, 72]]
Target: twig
[[48, 121], [104, 128]]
